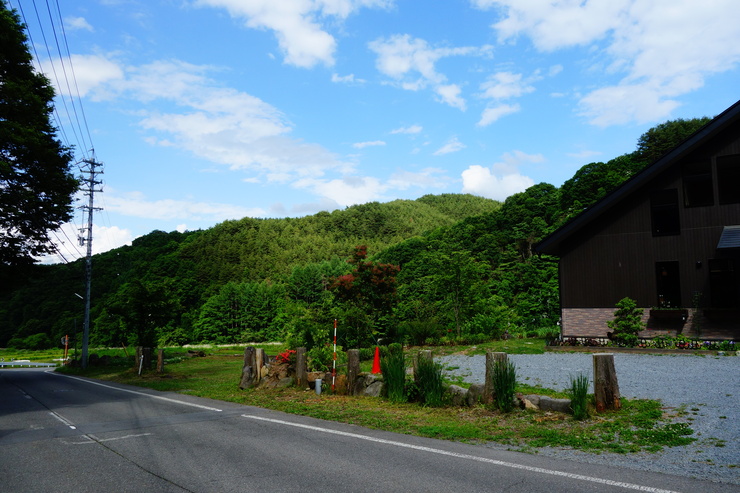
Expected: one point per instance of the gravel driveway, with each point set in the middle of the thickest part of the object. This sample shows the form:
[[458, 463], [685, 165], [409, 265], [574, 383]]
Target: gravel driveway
[[707, 386]]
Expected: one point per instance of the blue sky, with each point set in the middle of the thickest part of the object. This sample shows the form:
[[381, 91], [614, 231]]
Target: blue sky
[[208, 110]]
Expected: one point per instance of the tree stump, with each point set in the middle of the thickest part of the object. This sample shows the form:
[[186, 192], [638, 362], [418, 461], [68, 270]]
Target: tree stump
[[160, 361], [606, 387], [425, 354], [488, 391], [301, 368], [353, 369], [249, 369]]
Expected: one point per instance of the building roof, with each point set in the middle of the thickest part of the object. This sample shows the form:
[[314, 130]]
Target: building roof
[[554, 242]]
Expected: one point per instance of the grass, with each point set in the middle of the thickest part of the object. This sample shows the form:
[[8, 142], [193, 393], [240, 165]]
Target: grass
[[640, 425]]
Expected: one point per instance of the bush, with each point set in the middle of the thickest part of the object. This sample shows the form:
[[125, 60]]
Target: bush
[[579, 396], [504, 384], [627, 323], [489, 325], [429, 381], [417, 332], [321, 358], [393, 367]]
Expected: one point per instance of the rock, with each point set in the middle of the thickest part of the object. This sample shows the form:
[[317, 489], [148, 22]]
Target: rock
[[458, 395], [475, 393], [285, 382], [558, 405], [374, 389], [534, 399]]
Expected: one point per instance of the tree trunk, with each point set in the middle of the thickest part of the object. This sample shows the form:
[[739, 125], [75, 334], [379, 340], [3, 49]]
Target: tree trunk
[[606, 387], [249, 369], [353, 369], [488, 391]]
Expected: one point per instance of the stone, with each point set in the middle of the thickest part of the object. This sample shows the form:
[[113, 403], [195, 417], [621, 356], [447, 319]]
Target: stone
[[374, 389], [558, 405], [475, 394], [458, 395]]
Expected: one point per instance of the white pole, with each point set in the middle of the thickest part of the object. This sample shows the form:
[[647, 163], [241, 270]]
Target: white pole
[[334, 363]]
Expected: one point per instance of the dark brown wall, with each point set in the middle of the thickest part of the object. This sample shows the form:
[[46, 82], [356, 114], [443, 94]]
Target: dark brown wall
[[617, 257]]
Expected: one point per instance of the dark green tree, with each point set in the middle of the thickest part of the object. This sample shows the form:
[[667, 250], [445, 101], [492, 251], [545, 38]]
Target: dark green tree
[[36, 186], [662, 138]]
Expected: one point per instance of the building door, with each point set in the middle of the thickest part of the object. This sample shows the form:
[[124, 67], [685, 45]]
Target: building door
[[723, 283], [668, 284]]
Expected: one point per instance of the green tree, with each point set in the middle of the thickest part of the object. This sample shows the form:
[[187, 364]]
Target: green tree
[[627, 322], [659, 140], [36, 186]]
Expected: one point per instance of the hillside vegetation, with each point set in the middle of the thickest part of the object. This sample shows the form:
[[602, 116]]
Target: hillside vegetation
[[433, 270]]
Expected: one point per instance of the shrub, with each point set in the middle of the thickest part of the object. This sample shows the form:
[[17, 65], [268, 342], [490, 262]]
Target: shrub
[[579, 396], [321, 358], [393, 367], [627, 322], [504, 384], [417, 332], [429, 381]]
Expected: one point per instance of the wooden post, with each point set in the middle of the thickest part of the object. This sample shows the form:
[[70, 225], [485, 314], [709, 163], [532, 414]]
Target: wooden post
[[301, 368], [606, 387], [160, 361], [353, 369], [259, 363], [491, 358], [249, 368]]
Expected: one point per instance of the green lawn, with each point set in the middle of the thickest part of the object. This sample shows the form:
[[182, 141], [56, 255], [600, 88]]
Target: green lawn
[[641, 425]]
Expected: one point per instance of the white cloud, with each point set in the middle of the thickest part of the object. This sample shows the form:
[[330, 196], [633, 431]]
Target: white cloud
[[135, 204], [296, 24], [346, 191], [426, 178], [505, 85], [346, 79], [453, 145], [413, 129], [362, 145], [450, 94], [584, 154], [218, 124], [410, 62], [92, 73], [661, 49], [482, 181], [65, 239], [77, 24], [502, 179], [492, 114]]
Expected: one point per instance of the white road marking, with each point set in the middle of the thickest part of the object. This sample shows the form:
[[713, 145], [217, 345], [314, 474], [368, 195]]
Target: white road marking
[[512, 465], [93, 439], [199, 406], [63, 420]]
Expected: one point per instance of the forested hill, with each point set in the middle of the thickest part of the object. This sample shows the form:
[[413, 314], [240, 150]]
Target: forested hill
[[183, 269], [429, 270]]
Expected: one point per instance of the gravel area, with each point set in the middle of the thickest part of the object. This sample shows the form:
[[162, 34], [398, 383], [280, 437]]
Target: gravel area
[[708, 388]]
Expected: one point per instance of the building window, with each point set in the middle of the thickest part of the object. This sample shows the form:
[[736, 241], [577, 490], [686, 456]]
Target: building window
[[667, 282], [664, 212], [723, 285], [728, 179], [697, 184]]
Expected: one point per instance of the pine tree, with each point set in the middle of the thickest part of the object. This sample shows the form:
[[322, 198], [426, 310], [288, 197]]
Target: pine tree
[[36, 186]]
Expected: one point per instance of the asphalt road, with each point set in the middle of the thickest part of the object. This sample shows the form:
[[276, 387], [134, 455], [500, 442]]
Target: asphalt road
[[61, 433]]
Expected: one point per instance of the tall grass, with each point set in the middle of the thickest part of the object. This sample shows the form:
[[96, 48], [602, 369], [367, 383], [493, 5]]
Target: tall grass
[[393, 367], [579, 396], [504, 384], [429, 381]]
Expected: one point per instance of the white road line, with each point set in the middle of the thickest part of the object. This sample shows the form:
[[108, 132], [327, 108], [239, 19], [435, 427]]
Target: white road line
[[512, 465], [199, 406], [63, 420]]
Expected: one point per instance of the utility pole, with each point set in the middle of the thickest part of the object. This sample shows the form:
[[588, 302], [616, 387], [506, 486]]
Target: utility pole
[[91, 170]]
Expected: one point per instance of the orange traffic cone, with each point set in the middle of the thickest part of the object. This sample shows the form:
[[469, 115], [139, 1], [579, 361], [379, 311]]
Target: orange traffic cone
[[376, 361]]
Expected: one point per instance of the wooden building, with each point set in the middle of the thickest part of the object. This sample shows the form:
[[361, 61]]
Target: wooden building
[[668, 238]]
